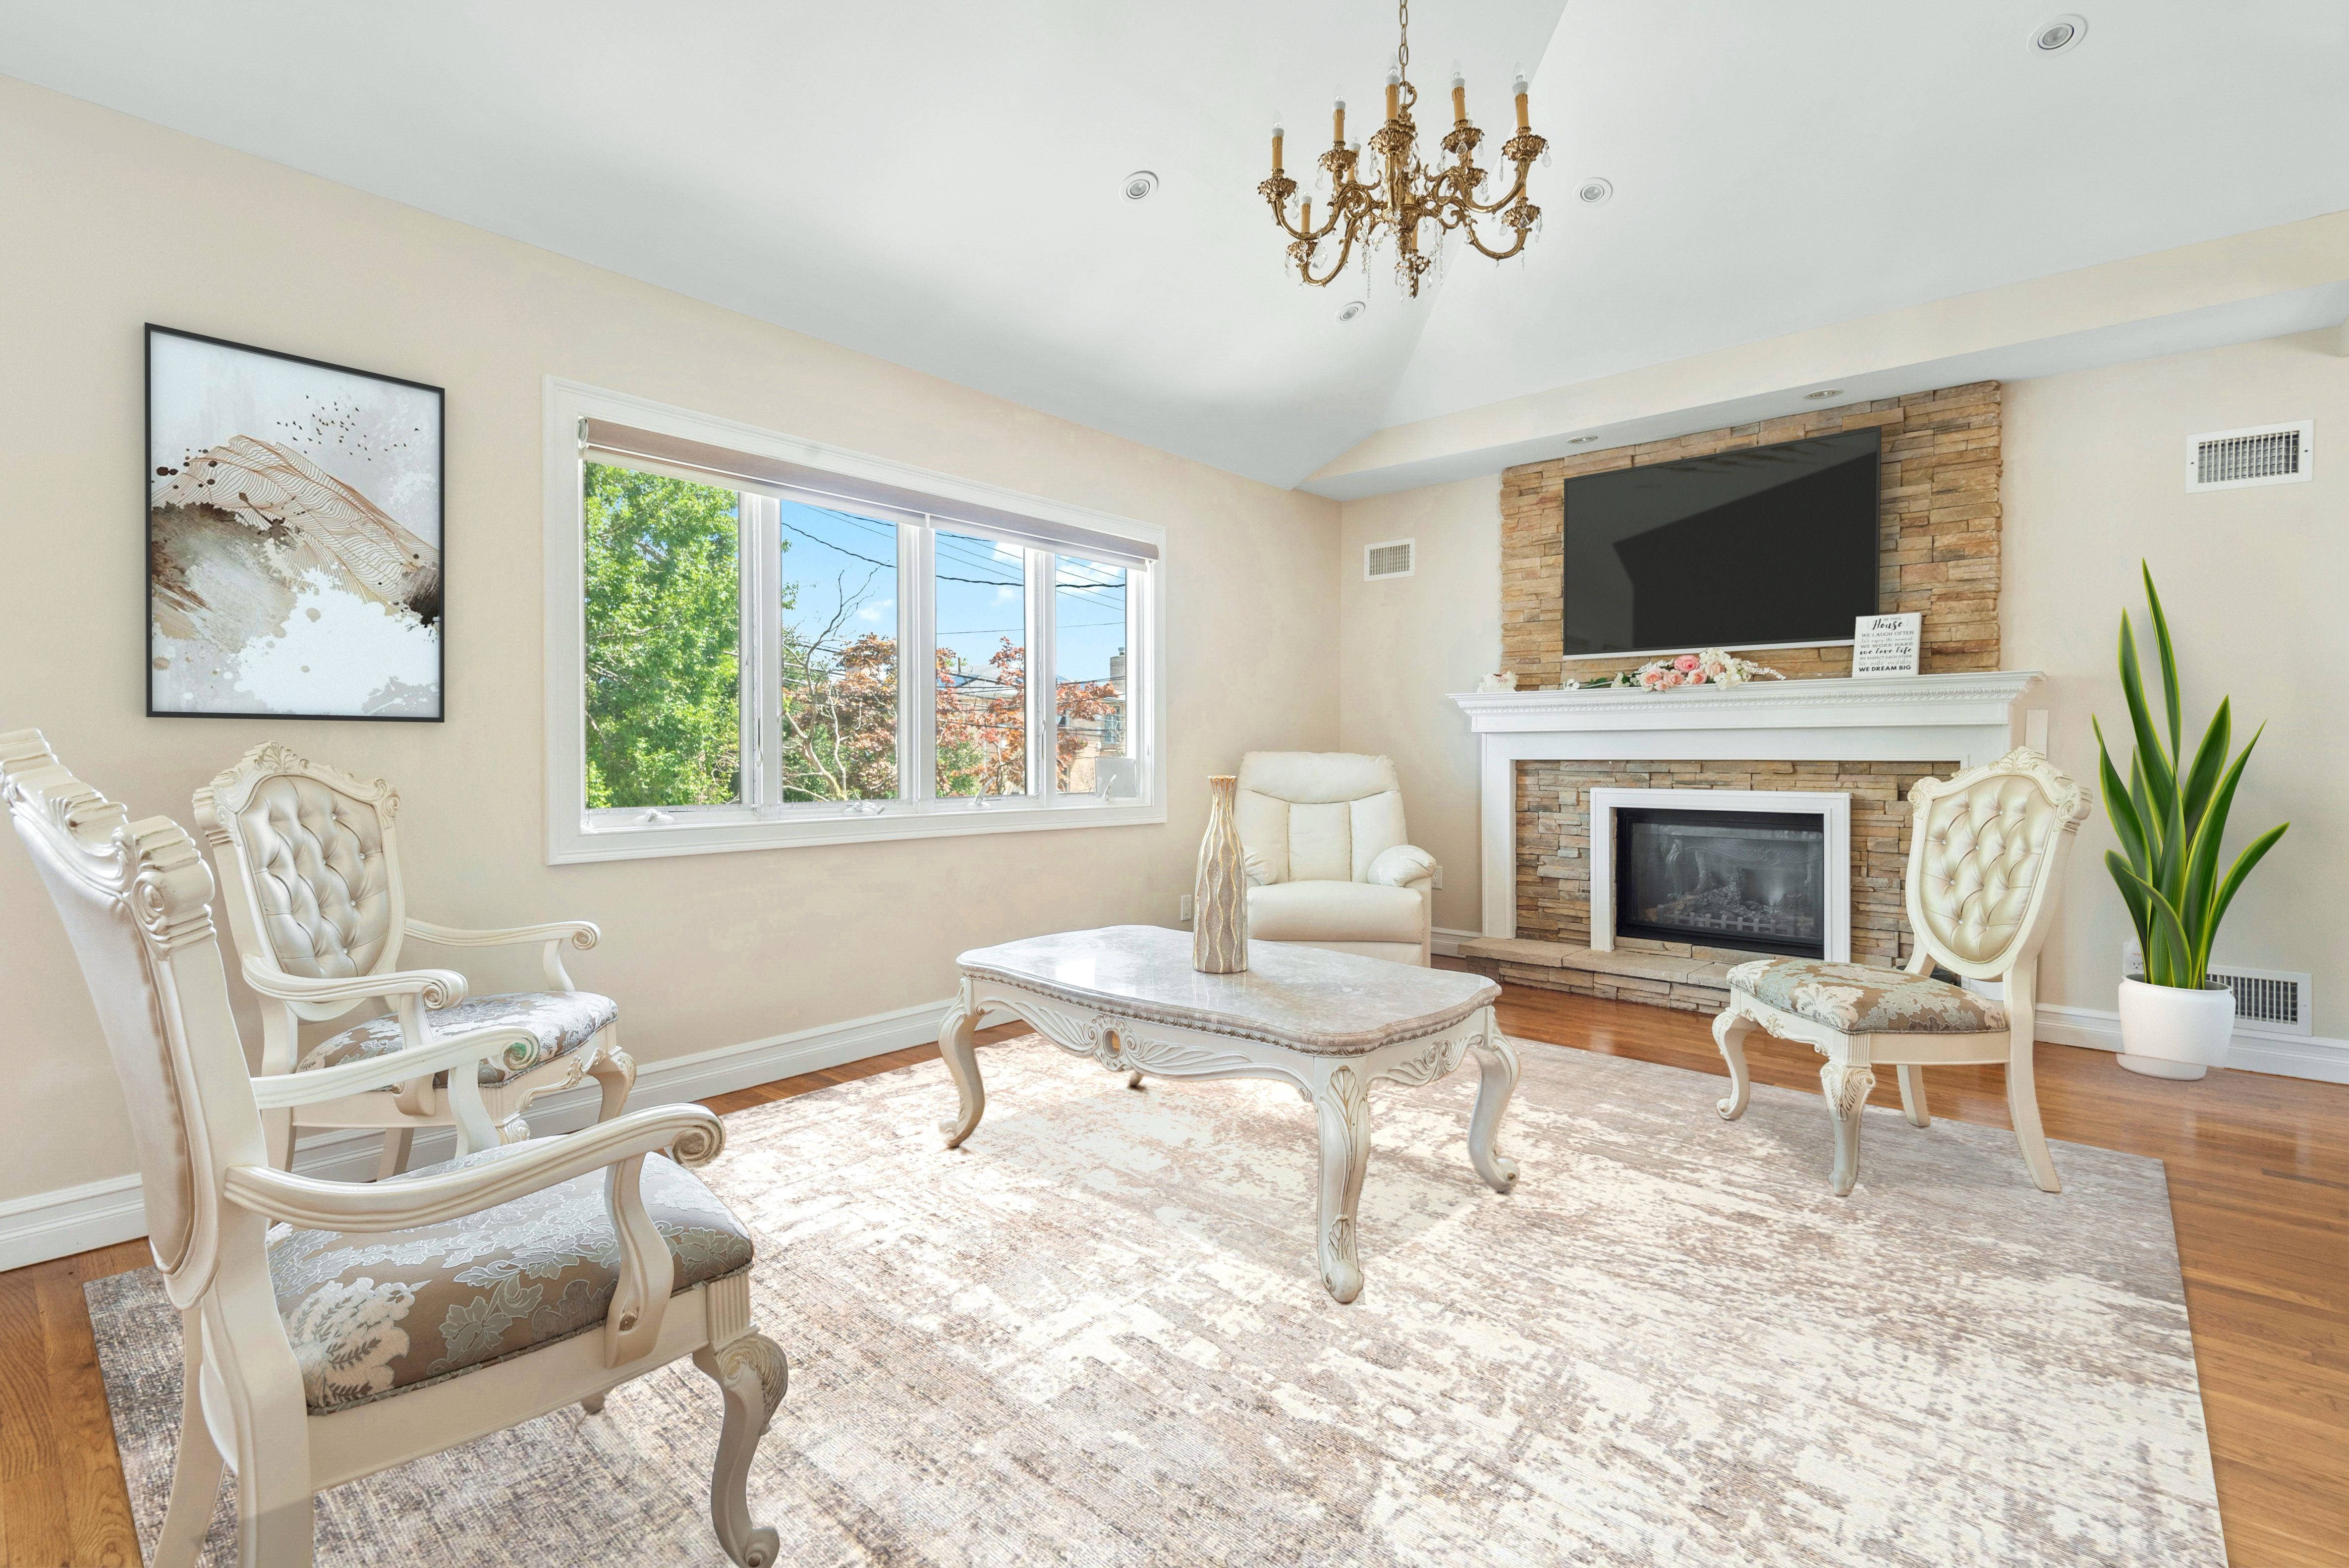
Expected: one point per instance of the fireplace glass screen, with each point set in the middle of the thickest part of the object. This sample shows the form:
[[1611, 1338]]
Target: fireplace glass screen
[[1754, 880]]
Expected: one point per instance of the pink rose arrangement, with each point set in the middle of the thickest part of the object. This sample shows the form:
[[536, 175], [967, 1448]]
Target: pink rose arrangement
[[1709, 666]]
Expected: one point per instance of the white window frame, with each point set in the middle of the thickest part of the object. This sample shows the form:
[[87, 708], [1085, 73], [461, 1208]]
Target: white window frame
[[577, 834]]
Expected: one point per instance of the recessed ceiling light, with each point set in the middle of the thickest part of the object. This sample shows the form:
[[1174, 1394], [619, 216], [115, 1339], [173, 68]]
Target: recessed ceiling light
[[1580, 440], [1823, 394], [2062, 32], [1140, 184], [1593, 190], [1351, 309]]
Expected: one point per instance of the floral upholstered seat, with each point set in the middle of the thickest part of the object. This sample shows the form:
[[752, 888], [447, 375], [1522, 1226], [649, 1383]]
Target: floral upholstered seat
[[1861, 1000], [372, 1312], [563, 1020]]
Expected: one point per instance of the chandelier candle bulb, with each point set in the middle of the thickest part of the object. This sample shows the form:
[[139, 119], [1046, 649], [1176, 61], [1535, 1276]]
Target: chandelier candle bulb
[[1459, 98], [1337, 123], [1518, 87], [1276, 146]]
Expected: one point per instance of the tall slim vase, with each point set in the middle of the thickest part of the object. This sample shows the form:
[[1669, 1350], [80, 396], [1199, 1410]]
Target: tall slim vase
[[1219, 934]]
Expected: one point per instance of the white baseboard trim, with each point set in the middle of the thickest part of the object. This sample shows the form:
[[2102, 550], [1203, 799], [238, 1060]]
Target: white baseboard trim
[[2313, 1056], [71, 1220], [1447, 943]]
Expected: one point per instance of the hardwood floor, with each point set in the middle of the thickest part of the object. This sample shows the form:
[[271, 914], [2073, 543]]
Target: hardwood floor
[[2258, 1187]]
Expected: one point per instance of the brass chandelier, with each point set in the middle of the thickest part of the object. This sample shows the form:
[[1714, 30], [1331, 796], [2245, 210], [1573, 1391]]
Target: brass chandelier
[[1420, 204]]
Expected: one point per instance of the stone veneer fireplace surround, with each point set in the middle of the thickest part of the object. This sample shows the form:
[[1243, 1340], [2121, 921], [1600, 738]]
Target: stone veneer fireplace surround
[[1966, 718], [1544, 752]]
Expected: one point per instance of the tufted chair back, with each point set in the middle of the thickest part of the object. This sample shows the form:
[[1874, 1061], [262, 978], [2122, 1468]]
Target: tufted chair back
[[1316, 816], [1986, 855], [312, 861], [135, 901]]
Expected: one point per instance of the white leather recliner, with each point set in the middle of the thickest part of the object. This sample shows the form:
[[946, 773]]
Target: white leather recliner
[[1328, 862]]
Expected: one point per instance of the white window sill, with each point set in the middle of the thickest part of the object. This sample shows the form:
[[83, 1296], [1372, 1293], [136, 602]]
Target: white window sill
[[714, 831]]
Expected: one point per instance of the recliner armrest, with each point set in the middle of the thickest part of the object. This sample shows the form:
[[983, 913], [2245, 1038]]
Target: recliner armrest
[[1401, 866]]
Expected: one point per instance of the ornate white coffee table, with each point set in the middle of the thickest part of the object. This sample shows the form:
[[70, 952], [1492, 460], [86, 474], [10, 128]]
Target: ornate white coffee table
[[1328, 1024]]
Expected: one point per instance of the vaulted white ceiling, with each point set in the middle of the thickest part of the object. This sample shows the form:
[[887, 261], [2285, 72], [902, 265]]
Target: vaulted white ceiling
[[939, 184]]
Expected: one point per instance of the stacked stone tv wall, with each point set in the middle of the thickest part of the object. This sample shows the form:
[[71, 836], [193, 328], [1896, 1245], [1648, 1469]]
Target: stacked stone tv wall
[[1939, 532], [1554, 841]]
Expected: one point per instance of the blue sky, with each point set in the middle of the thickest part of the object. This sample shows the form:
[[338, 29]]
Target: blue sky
[[981, 590]]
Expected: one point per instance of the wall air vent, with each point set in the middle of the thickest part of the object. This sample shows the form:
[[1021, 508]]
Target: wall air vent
[[2270, 1001], [1392, 559], [2268, 455]]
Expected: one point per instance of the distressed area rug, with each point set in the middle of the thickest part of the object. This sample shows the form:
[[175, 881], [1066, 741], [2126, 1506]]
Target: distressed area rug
[[1096, 1334]]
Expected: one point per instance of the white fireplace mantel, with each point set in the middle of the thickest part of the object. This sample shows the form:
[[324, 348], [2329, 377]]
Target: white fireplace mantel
[[1965, 718]]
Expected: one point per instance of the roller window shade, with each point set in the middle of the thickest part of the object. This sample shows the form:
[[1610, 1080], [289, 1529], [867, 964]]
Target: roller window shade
[[675, 456]]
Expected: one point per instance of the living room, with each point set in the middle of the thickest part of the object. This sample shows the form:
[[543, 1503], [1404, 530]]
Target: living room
[[555, 439]]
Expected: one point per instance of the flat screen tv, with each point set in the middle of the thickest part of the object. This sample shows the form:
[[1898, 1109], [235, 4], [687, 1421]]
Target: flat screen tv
[[1764, 545]]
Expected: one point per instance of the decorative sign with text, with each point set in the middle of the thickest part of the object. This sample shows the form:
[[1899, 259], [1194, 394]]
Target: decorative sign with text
[[1886, 645]]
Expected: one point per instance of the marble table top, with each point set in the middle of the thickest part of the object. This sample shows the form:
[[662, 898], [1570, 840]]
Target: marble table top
[[1306, 998]]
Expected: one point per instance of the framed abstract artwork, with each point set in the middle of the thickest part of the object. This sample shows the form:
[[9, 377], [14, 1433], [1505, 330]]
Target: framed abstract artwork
[[295, 565]]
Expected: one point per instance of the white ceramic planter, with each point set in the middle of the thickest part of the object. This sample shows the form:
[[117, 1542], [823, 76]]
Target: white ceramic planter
[[2170, 1032]]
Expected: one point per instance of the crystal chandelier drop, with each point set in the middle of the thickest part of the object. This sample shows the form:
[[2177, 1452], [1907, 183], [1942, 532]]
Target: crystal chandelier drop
[[1420, 204]]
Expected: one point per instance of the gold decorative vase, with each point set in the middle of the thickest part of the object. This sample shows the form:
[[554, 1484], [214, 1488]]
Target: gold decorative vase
[[1219, 933]]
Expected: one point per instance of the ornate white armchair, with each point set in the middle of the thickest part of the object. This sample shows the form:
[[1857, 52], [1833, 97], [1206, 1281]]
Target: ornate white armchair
[[1986, 856], [308, 860], [1329, 865], [529, 1276]]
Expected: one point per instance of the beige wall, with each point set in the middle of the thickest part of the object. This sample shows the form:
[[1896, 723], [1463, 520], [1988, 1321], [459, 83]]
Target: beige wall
[[2256, 581], [113, 222], [1405, 642]]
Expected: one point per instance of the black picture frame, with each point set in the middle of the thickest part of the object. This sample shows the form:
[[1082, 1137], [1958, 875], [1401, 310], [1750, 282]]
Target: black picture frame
[[156, 466]]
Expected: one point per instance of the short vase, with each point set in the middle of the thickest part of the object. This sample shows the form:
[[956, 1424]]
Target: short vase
[[2169, 1032]]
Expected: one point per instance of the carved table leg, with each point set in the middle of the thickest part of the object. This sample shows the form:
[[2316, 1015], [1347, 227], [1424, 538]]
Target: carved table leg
[[1845, 1085], [1342, 1106], [754, 1374], [1729, 1032], [1496, 1060], [954, 1031], [1133, 1078]]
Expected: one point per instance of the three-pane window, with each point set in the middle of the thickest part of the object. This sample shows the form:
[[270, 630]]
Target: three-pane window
[[767, 652]]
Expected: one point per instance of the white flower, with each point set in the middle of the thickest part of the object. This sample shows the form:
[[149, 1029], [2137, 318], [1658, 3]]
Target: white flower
[[344, 1340], [1836, 1004]]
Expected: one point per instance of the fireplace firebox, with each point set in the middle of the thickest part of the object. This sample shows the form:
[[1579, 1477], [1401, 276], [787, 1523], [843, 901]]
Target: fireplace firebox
[[1742, 879]]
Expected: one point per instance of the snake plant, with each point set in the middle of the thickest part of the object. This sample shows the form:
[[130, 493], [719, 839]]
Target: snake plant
[[2169, 820]]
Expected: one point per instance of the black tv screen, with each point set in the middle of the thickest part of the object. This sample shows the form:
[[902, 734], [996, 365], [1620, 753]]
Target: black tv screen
[[1767, 544]]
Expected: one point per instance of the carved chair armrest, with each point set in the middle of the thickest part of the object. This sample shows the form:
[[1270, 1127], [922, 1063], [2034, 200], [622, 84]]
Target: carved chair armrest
[[434, 987], [282, 1091], [689, 1134], [550, 934], [1401, 865], [458, 1054]]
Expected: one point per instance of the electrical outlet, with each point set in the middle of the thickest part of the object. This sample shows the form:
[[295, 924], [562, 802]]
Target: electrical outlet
[[1439, 879], [1186, 915]]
